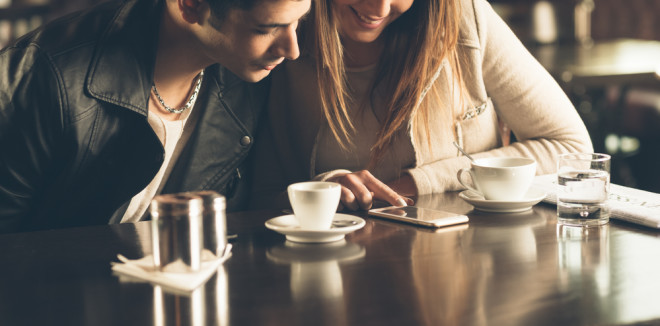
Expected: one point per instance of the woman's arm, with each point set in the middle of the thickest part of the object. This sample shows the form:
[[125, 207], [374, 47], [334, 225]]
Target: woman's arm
[[525, 97]]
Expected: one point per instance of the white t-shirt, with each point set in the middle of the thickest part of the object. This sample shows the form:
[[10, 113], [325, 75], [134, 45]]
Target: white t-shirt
[[173, 135]]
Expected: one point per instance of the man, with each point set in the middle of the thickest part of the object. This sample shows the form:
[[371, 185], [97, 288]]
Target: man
[[100, 111]]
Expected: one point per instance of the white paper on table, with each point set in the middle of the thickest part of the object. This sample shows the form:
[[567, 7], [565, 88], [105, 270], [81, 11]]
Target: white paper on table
[[626, 204], [144, 269]]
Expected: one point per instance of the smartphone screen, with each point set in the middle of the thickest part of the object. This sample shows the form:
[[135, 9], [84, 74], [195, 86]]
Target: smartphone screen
[[420, 216]]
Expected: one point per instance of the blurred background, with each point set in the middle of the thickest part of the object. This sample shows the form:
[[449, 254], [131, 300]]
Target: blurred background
[[606, 56], [604, 53]]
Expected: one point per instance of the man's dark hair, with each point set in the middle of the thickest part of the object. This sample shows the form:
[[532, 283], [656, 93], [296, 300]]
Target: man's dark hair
[[220, 8]]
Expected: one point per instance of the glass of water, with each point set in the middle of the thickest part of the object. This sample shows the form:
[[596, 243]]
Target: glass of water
[[582, 189]]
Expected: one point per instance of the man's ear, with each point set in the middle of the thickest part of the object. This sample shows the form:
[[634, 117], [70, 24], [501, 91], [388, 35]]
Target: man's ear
[[191, 10]]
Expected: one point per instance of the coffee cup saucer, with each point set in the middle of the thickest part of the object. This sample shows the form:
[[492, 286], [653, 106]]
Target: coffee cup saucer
[[341, 225], [533, 197]]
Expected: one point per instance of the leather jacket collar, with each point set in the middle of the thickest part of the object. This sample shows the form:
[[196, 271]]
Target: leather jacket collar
[[121, 72]]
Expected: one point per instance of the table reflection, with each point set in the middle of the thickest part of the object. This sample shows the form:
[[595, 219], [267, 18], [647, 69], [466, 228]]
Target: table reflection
[[440, 284], [315, 275], [504, 263], [584, 251], [206, 305], [584, 263]]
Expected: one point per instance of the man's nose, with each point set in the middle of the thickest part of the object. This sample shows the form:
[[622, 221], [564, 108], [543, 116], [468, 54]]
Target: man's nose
[[287, 45]]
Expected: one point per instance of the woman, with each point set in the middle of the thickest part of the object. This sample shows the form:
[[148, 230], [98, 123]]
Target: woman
[[384, 87]]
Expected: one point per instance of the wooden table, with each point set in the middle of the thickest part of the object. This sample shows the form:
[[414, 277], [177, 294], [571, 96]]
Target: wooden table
[[500, 269]]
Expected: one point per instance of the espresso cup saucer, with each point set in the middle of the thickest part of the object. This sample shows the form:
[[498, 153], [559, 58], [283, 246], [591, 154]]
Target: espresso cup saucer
[[533, 197], [288, 225]]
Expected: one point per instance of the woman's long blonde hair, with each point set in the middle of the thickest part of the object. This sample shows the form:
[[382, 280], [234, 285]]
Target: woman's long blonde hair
[[415, 45]]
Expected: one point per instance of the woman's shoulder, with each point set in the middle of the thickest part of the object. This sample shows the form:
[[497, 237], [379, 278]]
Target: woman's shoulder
[[473, 23]]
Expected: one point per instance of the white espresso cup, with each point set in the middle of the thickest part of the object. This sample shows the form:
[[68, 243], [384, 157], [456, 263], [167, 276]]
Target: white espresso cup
[[314, 203], [500, 178]]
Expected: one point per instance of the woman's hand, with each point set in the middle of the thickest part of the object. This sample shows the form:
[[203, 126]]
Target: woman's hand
[[404, 186], [359, 189]]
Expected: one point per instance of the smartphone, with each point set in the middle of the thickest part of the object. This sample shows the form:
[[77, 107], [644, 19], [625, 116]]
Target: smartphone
[[419, 216]]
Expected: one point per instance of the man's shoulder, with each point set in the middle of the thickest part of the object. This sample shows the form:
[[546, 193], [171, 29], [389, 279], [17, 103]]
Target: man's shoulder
[[74, 31], [57, 50]]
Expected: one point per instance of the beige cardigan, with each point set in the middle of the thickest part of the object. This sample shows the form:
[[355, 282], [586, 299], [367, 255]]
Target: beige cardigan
[[498, 72]]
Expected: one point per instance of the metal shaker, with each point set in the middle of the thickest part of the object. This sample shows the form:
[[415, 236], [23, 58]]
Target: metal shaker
[[176, 232], [214, 221]]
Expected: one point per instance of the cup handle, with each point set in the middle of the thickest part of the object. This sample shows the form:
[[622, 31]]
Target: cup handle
[[466, 185]]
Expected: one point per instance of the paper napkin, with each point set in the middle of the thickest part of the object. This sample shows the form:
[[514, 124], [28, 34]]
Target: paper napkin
[[144, 269]]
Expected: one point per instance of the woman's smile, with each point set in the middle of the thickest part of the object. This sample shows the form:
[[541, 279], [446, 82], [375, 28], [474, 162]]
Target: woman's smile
[[368, 21]]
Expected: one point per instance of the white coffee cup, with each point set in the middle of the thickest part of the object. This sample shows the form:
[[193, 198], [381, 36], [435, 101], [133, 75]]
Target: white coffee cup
[[314, 203], [500, 178]]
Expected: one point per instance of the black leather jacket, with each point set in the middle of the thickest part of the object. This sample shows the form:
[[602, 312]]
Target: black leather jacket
[[75, 144]]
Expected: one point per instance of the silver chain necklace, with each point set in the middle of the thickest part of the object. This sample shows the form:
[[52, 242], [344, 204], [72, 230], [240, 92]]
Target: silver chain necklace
[[191, 100]]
